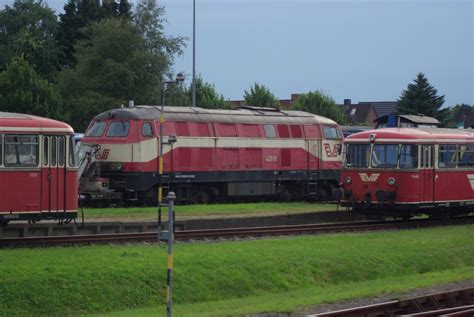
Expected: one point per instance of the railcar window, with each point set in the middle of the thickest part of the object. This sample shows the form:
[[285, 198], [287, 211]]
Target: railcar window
[[53, 151], [118, 129], [408, 156], [72, 152], [21, 150], [1, 148], [331, 133], [385, 155], [447, 156], [45, 150], [62, 151], [358, 155], [269, 130], [97, 129], [466, 155], [147, 129]]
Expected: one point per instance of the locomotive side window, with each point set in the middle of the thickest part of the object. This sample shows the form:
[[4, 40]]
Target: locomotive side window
[[447, 156], [296, 131], [466, 155], [385, 155], [21, 150], [118, 129], [283, 131], [203, 129], [408, 156], [331, 133], [147, 129], [250, 130], [97, 129], [358, 155], [269, 130], [182, 129], [227, 130]]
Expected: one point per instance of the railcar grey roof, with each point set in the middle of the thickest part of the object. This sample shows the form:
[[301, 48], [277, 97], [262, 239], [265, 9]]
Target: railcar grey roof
[[214, 115], [413, 118]]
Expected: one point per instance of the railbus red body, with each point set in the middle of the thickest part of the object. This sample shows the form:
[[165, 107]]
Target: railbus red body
[[218, 153], [38, 174], [404, 171]]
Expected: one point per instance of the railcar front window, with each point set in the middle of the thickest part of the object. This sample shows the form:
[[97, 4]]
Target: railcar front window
[[119, 129], [21, 150], [72, 152], [408, 156], [358, 155], [466, 153], [385, 156], [97, 129], [447, 156]]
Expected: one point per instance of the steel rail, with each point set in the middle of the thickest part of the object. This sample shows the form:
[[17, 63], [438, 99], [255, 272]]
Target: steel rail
[[186, 235], [452, 303]]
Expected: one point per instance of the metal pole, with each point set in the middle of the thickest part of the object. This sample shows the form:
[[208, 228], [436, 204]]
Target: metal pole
[[160, 160], [169, 293], [194, 53]]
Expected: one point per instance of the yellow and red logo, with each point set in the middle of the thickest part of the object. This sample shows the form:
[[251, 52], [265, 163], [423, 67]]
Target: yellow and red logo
[[366, 178], [102, 155], [334, 152]]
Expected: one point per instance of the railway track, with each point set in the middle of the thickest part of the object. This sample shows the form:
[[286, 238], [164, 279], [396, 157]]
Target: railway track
[[452, 303], [208, 234]]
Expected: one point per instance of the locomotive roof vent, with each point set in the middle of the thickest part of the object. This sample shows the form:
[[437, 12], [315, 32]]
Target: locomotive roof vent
[[259, 109]]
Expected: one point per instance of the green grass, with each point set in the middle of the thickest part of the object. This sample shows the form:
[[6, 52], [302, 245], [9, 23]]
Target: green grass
[[210, 210], [219, 279]]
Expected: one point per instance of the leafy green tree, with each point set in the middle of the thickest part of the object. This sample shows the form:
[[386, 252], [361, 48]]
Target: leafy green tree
[[207, 97], [320, 104], [125, 9], [260, 96], [459, 113], [422, 98], [24, 91], [29, 29]]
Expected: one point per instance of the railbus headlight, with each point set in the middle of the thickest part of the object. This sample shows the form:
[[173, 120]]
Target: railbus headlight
[[391, 181], [348, 180]]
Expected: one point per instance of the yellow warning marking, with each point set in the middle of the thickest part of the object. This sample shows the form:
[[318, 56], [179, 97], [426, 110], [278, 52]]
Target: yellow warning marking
[[160, 194], [160, 167], [162, 119], [170, 262]]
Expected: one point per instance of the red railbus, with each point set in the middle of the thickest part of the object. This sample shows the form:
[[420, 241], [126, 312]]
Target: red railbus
[[38, 173], [405, 171], [218, 154]]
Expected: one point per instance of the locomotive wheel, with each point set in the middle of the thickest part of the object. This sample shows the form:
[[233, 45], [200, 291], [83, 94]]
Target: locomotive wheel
[[201, 196]]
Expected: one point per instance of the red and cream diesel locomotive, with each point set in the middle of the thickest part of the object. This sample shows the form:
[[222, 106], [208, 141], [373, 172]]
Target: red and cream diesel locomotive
[[405, 171], [217, 154], [38, 173]]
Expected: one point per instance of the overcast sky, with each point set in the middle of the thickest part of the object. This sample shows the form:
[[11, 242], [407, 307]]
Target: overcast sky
[[363, 50]]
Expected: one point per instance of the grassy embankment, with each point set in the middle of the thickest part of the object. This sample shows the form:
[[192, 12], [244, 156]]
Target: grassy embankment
[[222, 279], [214, 210]]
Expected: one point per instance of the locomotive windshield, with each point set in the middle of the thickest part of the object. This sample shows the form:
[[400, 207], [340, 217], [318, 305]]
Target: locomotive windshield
[[382, 155], [97, 129]]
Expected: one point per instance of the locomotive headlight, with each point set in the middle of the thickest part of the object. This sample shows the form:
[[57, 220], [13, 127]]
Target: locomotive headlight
[[116, 166], [348, 180], [391, 181]]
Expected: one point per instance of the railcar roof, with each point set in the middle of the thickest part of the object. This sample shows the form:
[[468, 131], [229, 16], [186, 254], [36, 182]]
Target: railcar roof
[[215, 115], [428, 134], [19, 122]]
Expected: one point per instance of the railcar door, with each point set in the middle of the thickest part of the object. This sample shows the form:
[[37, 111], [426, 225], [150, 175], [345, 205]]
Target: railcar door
[[54, 173], [427, 173]]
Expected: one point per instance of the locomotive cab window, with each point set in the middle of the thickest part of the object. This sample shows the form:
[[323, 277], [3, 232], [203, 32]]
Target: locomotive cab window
[[21, 150], [147, 129], [358, 155], [331, 133], [97, 128], [118, 129]]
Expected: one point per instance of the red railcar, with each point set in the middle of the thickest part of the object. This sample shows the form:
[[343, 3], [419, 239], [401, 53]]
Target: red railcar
[[404, 171], [38, 174], [219, 154]]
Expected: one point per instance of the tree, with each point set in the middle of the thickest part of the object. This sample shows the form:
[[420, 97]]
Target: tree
[[24, 91], [207, 97], [260, 96], [29, 29], [459, 113], [320, 104], [421, 98]]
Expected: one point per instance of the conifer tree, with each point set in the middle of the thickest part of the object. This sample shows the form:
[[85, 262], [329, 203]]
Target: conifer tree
[[422, 98]]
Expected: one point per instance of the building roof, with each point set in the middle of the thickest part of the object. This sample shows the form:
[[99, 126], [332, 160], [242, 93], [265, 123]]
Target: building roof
[[421, 119], [357, 113], [382, 108]]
